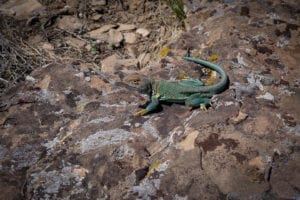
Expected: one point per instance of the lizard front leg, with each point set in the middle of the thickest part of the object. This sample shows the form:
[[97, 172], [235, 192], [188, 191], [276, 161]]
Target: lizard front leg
[[150, 107]]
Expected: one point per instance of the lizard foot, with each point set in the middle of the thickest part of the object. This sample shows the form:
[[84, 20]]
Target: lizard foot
[[141, 112], [203, 107]]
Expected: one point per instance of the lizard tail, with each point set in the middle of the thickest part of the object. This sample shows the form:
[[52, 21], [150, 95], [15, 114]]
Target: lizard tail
[[221, 85]]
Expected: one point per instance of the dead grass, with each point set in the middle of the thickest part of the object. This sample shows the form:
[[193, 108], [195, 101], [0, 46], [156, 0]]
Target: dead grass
[[17, 58]]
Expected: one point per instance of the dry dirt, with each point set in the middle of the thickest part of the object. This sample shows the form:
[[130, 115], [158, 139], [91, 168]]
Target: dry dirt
[[67, 123]]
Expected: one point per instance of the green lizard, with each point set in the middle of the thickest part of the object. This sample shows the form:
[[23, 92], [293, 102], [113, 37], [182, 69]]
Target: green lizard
[[191, 92]]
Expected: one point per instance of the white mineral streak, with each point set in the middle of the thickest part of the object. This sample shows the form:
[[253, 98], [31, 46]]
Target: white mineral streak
[[267, 96], [104, 138]]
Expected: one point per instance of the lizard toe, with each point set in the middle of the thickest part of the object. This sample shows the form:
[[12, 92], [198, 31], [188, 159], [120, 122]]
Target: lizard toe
[[141, 112]]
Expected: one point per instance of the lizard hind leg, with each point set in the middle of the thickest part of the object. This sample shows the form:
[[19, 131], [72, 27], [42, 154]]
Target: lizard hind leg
[[198, 100]]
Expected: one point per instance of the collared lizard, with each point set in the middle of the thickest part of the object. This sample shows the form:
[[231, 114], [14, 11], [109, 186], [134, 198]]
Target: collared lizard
[[191, 92]]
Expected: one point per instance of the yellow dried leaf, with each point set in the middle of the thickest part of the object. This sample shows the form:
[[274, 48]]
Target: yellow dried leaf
[[80, 107], [164, 51], [154, 166], [213, 58]]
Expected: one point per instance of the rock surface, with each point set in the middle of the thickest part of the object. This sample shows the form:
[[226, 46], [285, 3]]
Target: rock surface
[[19, 8], [69, 131]]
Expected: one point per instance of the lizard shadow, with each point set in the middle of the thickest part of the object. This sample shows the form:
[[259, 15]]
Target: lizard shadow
[[159, 107], [163, 104]]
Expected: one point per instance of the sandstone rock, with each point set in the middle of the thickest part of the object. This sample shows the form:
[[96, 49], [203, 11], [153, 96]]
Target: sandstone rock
[[142, 31], [69, 23], [239, 118], [108, 64], [115, 38], [88, 47], [96, 17], [131, 51], [73, 3], [130, 38], [7, 12], [81, 171], [98, 2], [154, 148], [113, 62], [189, 142], [47, 46], [100, 33], [127, 62], [126, 27], [97, 82], [75, 42], [22, 9], [258, 162], [105, 28], [44, 83], [133, 5]]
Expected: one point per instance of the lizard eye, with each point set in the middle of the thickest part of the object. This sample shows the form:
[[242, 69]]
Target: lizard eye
[[135, 81]]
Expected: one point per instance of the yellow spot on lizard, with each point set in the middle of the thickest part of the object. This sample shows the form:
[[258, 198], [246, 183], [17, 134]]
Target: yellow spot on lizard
[[182, 75], [213, 57], [212, 74]]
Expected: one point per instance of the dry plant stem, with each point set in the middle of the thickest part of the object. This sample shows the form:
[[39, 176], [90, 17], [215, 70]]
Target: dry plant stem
[[201, 158], [3, 80]]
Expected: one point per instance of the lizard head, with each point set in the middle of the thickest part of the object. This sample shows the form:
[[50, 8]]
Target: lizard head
[[139, 82]]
